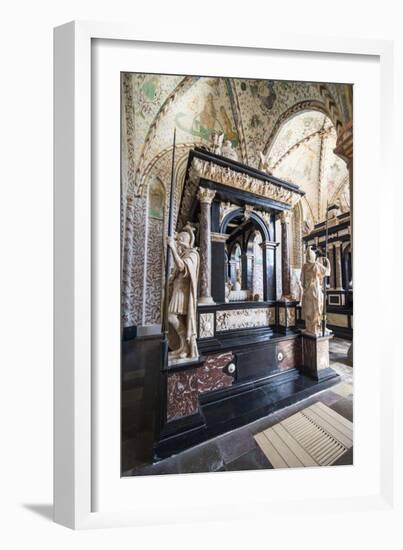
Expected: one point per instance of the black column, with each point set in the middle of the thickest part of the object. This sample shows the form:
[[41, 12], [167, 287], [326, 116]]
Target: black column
[[244, 271], [218, 268], [269, 272]]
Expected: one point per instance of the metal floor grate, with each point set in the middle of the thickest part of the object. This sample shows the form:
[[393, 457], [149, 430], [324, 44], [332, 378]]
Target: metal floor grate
[[315, 436]]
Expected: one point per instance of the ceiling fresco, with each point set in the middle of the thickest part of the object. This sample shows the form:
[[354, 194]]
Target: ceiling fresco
[[249, 112], [302, 153]]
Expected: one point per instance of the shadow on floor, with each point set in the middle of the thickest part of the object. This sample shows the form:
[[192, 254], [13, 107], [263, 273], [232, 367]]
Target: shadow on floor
[[43, 510]]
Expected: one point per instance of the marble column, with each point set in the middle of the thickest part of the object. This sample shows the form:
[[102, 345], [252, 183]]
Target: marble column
[[247, 268], [205, 197], [338, 272], [332, 284], [269, 272], [285, 255], [219, 274], [344, 150], [232, 270]]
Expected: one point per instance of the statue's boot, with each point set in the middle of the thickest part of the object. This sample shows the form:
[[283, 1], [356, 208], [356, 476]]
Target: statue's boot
[[181, 351]]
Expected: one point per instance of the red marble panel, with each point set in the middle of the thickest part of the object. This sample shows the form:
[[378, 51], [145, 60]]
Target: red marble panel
[[292, 356], [182, 394], [211, 375], [184, 387]]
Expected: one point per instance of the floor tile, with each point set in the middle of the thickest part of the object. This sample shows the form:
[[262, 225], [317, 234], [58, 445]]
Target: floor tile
[[252, 460], [344, 407], [345, 460], [329, 397], [344, 389], [203, 458], [235, 444]]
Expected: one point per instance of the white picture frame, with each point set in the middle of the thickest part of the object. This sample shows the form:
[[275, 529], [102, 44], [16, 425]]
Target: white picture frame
[[88, 491]]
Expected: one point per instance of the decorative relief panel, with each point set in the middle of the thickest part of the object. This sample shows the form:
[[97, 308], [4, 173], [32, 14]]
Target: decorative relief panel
[[244, 318], [133, 262], [239, 180], [290, 320], [153, 290], [206, 325]]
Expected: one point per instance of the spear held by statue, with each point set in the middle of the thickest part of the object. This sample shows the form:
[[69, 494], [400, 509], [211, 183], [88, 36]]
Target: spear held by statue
[[324, 278], [168, 259]]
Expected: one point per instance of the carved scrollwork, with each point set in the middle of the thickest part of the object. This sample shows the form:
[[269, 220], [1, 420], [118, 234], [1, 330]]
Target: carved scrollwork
[[239, 180]]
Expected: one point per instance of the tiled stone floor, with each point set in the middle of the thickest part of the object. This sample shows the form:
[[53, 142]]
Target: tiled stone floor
[[237, 450]]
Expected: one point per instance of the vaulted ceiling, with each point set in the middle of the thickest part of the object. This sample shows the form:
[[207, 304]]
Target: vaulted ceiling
[[294, 124]]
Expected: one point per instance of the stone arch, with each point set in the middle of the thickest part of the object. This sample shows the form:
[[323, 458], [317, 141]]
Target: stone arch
[[184, 85], [255, 218], [296, 109]]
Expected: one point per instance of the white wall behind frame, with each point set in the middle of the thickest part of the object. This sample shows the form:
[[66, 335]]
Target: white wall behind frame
[[26, 41]]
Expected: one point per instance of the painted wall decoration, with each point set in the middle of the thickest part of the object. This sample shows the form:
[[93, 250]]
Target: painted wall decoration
[[208, 112], [254, 115], [156, 200]]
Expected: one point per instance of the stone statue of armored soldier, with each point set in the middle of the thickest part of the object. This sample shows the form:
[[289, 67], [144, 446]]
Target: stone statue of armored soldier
[[312, 274], [183, 301]]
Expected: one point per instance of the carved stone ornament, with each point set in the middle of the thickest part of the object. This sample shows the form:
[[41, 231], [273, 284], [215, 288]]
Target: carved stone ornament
[[239, 180], [247, 211], [228, 151], [205, 195], [244, 318], [206, 325], [226, 208], [285, 216], [286, 316]]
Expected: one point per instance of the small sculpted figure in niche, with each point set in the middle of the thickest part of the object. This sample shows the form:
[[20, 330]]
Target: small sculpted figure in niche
[[228, 288], [312, 274], [217, 139], [183, 302], [237, 285], [228, 151]]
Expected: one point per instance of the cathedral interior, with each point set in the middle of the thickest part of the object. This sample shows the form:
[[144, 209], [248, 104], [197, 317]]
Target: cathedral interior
[[237, 283]]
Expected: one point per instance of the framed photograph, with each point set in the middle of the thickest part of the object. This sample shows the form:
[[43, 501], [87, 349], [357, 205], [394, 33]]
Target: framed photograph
[[216, 234]]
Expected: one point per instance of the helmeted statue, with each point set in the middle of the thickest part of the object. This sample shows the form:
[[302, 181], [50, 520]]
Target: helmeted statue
[[312, 275], [183, 302]]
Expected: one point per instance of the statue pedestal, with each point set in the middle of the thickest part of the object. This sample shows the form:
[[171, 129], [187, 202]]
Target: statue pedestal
[[315, 355]]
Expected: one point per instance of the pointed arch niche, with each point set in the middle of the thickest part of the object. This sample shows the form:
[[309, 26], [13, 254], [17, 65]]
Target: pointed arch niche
[[302, 152], [154, 260]]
